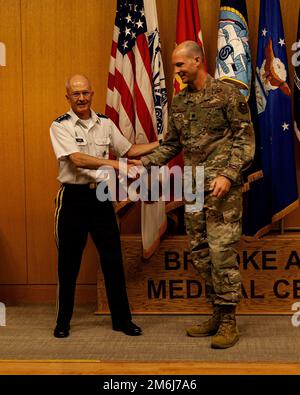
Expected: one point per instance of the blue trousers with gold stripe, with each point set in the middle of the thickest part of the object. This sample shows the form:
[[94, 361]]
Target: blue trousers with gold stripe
[[79, 212]]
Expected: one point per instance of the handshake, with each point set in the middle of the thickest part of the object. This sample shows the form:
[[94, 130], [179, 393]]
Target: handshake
[[135, 168]]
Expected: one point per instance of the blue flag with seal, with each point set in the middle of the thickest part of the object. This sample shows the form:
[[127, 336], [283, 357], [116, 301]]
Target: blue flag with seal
[[275, 195], [233, 62]]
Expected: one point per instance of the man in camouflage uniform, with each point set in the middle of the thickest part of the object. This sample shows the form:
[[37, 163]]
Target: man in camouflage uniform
[[210, 122]]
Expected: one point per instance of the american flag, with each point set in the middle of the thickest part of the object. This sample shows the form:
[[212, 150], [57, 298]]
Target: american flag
[[136, 96]]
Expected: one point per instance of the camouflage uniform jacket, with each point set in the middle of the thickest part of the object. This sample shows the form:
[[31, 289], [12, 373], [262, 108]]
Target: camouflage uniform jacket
[[213, 128]]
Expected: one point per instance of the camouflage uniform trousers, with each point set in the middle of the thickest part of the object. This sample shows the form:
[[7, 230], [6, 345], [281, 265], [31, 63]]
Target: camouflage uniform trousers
[[213, 234]]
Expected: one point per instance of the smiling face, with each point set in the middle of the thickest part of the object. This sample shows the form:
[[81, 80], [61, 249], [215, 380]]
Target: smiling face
[[186, 66], [79, 94]]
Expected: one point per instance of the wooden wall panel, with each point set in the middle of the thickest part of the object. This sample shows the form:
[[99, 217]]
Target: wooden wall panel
[[59, 38], [12, 198]]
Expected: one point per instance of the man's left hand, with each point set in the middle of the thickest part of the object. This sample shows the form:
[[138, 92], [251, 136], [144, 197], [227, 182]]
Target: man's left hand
[[220, 186]]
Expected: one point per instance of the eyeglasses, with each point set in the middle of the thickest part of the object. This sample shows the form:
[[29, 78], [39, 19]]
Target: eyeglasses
[[76, 95]]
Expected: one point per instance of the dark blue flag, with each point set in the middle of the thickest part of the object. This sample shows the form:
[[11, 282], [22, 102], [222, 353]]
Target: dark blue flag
[[275, 195]]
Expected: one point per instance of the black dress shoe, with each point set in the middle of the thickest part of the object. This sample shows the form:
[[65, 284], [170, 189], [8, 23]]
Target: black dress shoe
[[129, 328], [61, 331]]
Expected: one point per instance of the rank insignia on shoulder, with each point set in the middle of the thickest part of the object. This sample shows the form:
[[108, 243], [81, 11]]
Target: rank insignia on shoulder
[[62, 118], [193, 116], [99, 115], [243, 108]]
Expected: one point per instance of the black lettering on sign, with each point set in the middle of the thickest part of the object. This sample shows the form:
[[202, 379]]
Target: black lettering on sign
[[253, 295], [193, 285], [296, 289], [186, 260], [244, 293], [266, 258], [173, 289], [159, 292], [247, 260], [172, 261], [293, 260], [177, 290], [280, 295]]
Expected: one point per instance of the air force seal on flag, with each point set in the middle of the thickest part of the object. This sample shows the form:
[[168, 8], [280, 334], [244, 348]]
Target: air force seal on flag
[[234, 59], [270, 76]]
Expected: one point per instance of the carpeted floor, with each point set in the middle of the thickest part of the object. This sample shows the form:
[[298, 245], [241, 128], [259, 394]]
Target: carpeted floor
[[28, 335]]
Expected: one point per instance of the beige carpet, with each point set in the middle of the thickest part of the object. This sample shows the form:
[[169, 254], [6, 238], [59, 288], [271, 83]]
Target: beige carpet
[[28, 335]]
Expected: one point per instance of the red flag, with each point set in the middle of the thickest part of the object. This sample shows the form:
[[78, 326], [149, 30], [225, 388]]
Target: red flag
[[136, 95], [187, 28]]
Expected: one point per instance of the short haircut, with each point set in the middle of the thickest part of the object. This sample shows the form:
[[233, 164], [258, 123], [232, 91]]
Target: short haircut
[[194, 49]]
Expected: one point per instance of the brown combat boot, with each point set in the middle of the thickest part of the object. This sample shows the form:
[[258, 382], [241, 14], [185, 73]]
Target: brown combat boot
[[227, 334], [206, 328]]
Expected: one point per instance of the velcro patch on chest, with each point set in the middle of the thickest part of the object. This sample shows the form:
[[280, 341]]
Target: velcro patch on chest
[[192, 116]]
